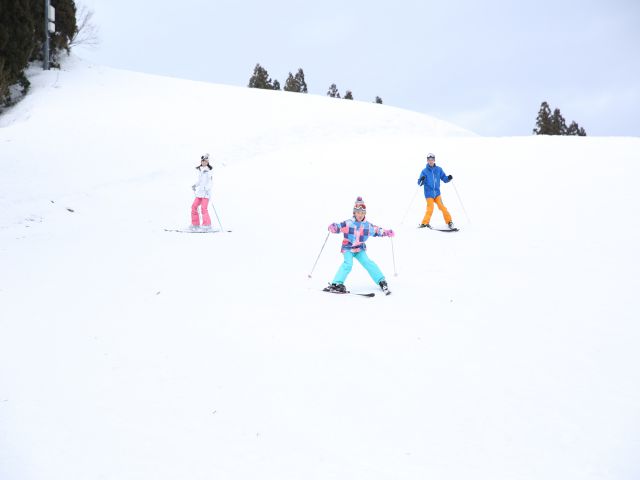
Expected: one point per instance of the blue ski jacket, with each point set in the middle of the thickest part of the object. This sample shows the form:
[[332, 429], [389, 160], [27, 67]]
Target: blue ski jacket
[[430, 178]]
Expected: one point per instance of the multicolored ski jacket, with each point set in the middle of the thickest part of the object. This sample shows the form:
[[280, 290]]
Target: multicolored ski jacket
[[356, 233], [432, 177]]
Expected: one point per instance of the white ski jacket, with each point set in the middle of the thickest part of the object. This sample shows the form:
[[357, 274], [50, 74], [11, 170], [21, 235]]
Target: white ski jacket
[[202, 186]]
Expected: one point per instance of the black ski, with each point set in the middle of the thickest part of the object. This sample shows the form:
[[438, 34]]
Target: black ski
[[350, 293], [442, 229]]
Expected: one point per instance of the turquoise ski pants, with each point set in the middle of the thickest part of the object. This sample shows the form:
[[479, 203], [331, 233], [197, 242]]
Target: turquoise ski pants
[[364, 260]]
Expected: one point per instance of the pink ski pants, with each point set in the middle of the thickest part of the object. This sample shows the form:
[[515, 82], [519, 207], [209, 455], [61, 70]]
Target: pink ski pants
[[203, 203]]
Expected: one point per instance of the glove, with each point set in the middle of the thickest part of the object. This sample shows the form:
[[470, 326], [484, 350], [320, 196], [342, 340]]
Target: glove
[[421, 181], [450, 177], [388, 233], [193, 187], [333, 228]]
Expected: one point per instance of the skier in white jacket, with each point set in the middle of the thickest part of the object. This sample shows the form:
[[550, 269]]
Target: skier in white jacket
[[202, 189]]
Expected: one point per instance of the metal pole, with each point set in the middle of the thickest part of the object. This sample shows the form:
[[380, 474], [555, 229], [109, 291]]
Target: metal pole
[[214, 211], [460, 200], [46, 35], [393, 255], [314, 265], [409, 207]]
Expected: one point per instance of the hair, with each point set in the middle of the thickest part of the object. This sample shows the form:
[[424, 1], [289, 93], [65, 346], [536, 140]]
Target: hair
[[210, 167]]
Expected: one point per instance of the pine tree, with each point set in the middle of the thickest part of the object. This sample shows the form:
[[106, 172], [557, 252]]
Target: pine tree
[[348, 95], [379, 100], [543, 121], [66, 27], [260, 79], [299, 78], [333, 91], [16, 45], [290, 85], [276, 85], [575, 129], [572, 129], [558, 124], [296, 83], [554, 124]]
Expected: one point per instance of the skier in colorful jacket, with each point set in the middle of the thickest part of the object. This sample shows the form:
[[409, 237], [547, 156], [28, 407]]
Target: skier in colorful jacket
[[356, 231], [202, 189], [430, 179]]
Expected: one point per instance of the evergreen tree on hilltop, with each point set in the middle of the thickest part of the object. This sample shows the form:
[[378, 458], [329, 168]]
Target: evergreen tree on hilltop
[[302, 84], [296, 83], [276, 85], [575, 129], [543, 121], [379, 100], [333, 91], [290, 85], [554, 124], [260, 79], [558, 124], [16, 45], [348, 95]]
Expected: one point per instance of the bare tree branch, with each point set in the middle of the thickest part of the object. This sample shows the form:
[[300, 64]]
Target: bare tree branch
[[87, 32]]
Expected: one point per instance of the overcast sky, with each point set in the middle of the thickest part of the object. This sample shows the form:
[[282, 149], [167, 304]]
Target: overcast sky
[[485, 65]]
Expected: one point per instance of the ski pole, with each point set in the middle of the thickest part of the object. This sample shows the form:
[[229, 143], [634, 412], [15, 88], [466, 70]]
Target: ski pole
[[393, 256], [409, 207], [460, 200], [314, 265], [214, 211]]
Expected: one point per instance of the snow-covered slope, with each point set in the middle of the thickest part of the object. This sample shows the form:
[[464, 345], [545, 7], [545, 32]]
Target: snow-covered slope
[[507, 350]]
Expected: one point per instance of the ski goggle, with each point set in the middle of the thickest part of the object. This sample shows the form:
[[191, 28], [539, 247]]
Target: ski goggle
[[431, 156], [205, 157], [360, 208]]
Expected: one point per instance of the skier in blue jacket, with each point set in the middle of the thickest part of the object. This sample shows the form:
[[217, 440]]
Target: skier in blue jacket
[[430, 178]]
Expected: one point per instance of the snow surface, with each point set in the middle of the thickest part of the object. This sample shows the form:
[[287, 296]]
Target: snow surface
[[508, 350]]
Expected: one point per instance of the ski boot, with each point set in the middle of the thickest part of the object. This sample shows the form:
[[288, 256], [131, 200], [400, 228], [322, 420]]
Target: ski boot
[[384, 287], [336, 288], [451, 226], [423, 225]]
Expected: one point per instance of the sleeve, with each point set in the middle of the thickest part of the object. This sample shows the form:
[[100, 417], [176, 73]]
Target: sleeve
[[340, 227], [443, 176], [375, 231], [421, 178]]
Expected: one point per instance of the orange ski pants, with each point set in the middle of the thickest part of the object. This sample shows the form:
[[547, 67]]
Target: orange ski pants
[[443, 209]]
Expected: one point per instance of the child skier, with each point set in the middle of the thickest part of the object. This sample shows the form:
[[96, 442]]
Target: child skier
[[356, 231], [202, 189], [430, 177]]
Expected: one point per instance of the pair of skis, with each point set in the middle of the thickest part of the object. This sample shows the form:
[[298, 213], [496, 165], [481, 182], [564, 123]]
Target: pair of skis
[[442, 229], [347, 292]]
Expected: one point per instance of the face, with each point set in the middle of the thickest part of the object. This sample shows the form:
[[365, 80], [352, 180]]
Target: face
[[359, 215], [431, 161], [204, 163]]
